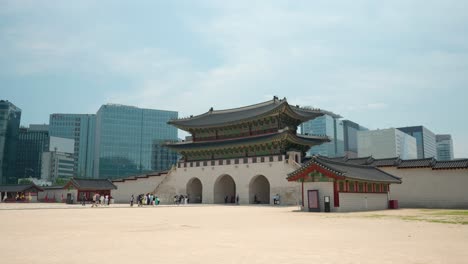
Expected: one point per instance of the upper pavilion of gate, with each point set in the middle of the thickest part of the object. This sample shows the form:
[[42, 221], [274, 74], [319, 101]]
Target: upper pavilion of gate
[[261, 129], [276, 108]]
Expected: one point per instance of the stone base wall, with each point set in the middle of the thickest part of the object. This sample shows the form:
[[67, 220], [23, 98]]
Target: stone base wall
[[242, 174], [137, 186]]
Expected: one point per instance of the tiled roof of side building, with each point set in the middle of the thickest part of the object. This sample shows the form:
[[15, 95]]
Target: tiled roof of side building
[[353, 171], [216, 118], [451, 164], [390, 162], [417, 163], [93, 184], [19, 188], [360, 161]]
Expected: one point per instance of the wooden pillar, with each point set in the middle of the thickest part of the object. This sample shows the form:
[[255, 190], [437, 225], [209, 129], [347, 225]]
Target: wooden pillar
[[336, 194]]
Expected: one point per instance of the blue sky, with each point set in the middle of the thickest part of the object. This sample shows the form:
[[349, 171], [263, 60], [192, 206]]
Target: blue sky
[[381, 64]]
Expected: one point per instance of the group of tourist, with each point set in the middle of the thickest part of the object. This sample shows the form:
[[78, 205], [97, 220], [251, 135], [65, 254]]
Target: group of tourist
[[231, 199], [98, 199], [145, 199], [181, 199]]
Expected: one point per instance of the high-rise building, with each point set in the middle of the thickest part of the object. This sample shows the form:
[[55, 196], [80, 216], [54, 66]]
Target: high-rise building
[[350, 130], [386, 143], [129, 141], [444, 147], [10, 117], [58, 161], [57, 164], [31, 144], [425, 140], [80, 128], [39, 127], [329, 126]]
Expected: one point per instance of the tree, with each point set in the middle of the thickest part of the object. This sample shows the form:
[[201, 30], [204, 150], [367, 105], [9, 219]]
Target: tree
[[25, 181], [61, 181]]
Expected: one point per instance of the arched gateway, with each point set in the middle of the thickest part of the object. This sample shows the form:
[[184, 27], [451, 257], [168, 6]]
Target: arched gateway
[[244, 137], [194, 190], [259, 190], [224, 187]]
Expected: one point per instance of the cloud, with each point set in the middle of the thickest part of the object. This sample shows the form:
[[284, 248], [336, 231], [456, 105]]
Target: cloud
[[362, 60]]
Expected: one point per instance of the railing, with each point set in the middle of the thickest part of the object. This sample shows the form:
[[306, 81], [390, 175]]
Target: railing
[[233, 161]]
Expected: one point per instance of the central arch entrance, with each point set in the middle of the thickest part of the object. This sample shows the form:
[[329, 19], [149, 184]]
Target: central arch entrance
[[259, 190], [224, 186], [194, 190]]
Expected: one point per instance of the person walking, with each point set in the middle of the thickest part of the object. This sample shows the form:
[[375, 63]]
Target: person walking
[[102, 199], [131, 200], [106, 199], [83, 199], [94, 200]]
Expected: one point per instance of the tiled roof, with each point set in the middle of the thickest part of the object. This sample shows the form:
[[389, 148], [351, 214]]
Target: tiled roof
[[214, 118], [360, 161], [451, 164], [93, 184], [20, 188], [220, 144], [385, 162], [352, 171], [417, 163], [404, 164]]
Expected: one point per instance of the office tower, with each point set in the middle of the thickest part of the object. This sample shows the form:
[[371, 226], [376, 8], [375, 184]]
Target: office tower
[[129, 141], [350, 130], [425, 140], [386, 143], [80, 128], [10, 117], [444, 147], [31, 145], [326, 125]]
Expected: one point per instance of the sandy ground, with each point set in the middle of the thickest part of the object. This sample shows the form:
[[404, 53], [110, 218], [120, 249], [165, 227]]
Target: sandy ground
[[49, 233]]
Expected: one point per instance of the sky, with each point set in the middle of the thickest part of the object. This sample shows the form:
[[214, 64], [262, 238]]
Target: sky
[[378, 63]]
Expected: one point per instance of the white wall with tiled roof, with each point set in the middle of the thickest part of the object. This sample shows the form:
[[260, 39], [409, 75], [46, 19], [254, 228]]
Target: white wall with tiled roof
[[427, 188]]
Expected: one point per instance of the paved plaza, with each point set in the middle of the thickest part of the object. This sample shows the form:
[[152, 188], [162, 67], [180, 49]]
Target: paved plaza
[[58, 233]]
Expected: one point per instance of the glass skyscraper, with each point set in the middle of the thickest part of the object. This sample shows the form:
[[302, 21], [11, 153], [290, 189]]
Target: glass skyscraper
[[10, 117], [31, 144], [129, 141], [444, 147], [425, 140], [326, 125], [350, 130], [81, 128]]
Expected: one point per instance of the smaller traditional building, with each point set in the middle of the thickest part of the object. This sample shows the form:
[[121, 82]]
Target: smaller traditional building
[[19, 193], [330, 185], [76, 188]]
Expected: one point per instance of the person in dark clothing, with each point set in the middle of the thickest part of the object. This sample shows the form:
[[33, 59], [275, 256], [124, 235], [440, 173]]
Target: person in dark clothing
[[131, 200], [83, 199], [225, 199]]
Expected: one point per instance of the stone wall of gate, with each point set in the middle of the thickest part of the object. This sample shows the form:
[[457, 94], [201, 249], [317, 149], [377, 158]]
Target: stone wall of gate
[[275, 171]]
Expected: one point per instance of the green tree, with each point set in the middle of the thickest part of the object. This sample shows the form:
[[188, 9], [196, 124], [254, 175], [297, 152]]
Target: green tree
[[61, 181], [25, 181]]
